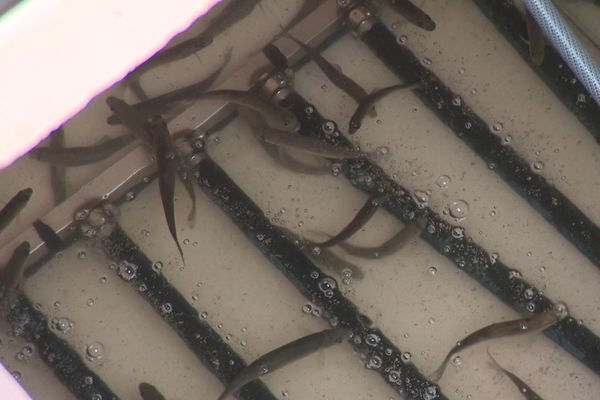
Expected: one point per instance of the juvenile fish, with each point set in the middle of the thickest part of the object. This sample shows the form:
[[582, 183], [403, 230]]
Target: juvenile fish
[[13, 271], [58, 177], [48, 235], [131, 118], [14, 206], [340, 80], [369, 101], [325, 257], [535, 36], [284, 355], [527, 392], [170, 103], [283, 158], [360, 219], [149, 392], [272, 113], [413, 14], [167, 166], [81, 155], [295, 141], [410, 231], [497, 330], [233, 12]]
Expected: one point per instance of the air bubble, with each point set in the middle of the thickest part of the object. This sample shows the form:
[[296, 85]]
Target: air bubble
[[328, 127], [458, 232], [432, 270], [561, 310], [538, 166], [336, 169], [314, 274], [382, 150], [422, 198], [457, 360], [497, 127], [82, 255], [394, 376], [372, 340], [157, 266], [406, 356], [130, 196], [374, 362], [186, 241], [103, 279], [307, 308], [94, 351], [457, 101], [458, 209], [127, 270], [90, 302], [327, 284], [62, 324], [529, 293], [402, 39], [166, 308], [443, 181], [427, 61], [203, 315]]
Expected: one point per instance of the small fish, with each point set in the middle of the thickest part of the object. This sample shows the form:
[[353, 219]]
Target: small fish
[[81, 155], [294, 141], [283, 158], [184, 177], [13, 271], [149, 392], [410, 231], [172, 102], [58, 177], [360, 219], [48, 235], [234, 11], [497, 330], [132, 119], [14, 206], [307, 7], [535, 37], [340, 80], [527, 392], [413, 14], [324, 257], [284, 355], [280, 117], [369, 101], [167, 165]]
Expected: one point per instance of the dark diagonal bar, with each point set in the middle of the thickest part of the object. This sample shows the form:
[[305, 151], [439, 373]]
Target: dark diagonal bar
[[65, 362], [554, 71], [554, 206], [208, 346], [382, 355], [503, 281]]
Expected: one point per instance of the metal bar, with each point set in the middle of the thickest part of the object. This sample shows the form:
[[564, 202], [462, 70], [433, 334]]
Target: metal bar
[[56, 353], [505, 282], [382, 355], [554, 71], [182, 317], [553, 205]]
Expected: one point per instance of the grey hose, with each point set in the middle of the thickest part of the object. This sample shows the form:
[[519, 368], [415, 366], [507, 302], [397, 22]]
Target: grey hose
[[566, 43]]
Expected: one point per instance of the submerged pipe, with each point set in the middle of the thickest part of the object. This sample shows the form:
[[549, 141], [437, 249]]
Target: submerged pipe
[[566, 43]]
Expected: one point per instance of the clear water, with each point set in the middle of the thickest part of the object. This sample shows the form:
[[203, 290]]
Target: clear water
[[422, 302]]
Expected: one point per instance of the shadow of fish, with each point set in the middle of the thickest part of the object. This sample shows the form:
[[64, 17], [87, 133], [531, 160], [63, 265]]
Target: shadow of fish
[[14, 206]]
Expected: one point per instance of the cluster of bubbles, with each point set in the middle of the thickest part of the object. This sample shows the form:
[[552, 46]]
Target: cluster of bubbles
[[25, 353], [312, 309], [62, 325]]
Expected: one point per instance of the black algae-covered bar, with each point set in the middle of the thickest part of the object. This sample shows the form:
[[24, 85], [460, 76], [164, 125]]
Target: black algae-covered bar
[[206, 344], [554, 206], [554, 71], [382, 355], [64, 361], [506, 283]]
